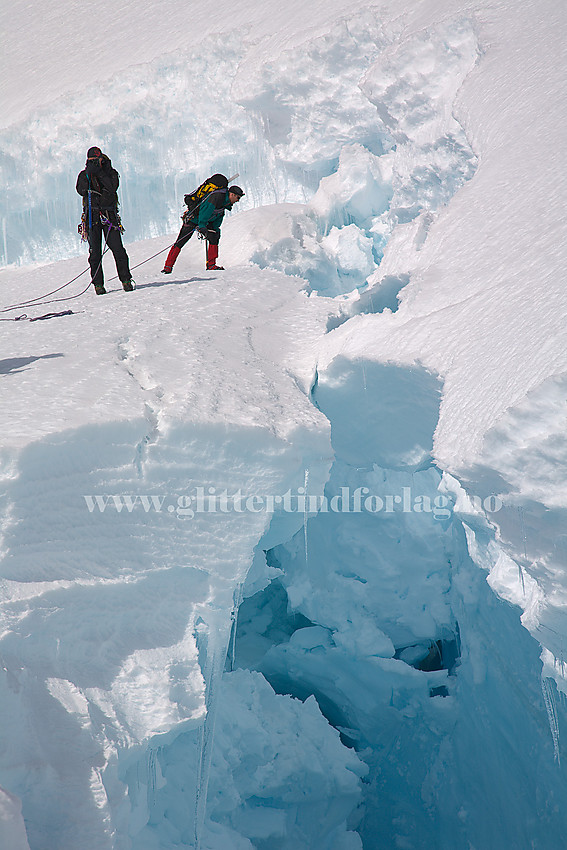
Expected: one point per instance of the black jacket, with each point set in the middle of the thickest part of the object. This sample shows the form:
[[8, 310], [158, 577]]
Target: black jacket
[[102, 179]]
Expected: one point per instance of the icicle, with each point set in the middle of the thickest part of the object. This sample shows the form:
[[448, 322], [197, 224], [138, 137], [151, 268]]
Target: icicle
[[548, 698], [521, 574], [364, 384], [217, 640], [234, 624], [524, 538], [523, 531], [5, 240], [372, 308], [151, 779], [305, 485]]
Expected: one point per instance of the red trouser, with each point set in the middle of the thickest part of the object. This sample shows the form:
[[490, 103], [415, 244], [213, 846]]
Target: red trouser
[[212, 254], [184, 236]]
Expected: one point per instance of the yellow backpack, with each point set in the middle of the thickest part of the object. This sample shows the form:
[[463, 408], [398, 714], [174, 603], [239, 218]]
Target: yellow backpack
[[196, 198]]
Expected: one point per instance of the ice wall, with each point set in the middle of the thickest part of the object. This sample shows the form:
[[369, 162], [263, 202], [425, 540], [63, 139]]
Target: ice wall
[[308, 113], [407, 651], [116, 618], [524, 461], [382, 614]]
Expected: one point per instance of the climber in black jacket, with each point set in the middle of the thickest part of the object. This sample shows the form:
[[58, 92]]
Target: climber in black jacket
[[98, 183]]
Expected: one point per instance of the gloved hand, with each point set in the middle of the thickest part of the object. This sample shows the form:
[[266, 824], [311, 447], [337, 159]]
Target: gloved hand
[[202, 233], [93, 167]]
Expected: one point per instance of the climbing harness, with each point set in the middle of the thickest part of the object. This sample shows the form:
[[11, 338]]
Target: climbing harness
[[82, 228], [108, 223]]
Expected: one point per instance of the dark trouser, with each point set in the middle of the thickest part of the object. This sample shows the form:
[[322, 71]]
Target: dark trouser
[[183, 238], [113, 239], [187, 231]]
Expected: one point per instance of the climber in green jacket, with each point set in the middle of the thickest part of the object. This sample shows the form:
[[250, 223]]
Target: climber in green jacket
[[206, 219]]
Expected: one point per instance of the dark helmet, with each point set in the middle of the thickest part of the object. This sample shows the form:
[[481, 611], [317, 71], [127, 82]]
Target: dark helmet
[[236, 190], [93, 153]]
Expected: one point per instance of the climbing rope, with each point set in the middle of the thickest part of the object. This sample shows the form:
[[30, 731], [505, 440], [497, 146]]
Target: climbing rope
[[32, 302], [137, 266], [39, 300]]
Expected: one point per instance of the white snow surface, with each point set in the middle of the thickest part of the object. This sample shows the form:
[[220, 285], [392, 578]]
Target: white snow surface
[[283, 547]]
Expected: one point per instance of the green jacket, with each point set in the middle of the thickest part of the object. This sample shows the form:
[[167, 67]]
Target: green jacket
[[212, 210]]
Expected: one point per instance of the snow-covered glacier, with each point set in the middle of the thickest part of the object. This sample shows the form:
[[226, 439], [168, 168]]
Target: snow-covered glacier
[[282, 552]]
